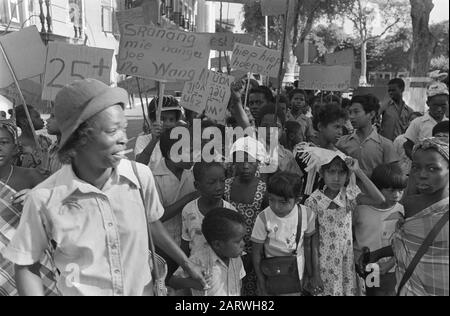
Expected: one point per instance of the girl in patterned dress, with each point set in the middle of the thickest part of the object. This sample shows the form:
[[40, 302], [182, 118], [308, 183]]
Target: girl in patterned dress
[[333, 207]]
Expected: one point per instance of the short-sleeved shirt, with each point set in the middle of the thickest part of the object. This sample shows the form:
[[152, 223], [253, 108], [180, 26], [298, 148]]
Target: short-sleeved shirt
[[170, 190], [192, 220], [226, 279], [421, 128], [99, 237], [405, 162], [141, 143], [395, 119], [305, 123], [371, 152], [278, 234]]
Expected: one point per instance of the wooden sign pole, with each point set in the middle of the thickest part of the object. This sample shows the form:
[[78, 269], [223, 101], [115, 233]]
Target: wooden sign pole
[[162, 87], [13, 74], [280, 72]]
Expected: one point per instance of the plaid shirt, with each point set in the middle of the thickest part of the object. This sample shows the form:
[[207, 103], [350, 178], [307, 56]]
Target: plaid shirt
[[9, 220], [430, 278]]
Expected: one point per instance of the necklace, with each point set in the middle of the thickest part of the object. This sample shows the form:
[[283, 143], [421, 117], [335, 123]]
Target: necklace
[[10, 175]]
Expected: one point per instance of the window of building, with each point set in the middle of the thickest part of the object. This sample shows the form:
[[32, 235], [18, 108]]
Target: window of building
[[10, 11]]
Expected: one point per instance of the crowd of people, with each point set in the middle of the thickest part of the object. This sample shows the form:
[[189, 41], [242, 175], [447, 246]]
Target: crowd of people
[[357, 205]]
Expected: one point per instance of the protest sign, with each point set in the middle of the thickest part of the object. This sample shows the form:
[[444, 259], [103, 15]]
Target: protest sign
[[26, 53], [256, 60], [325, 78], [194, 93], [273, 7], [224, 41], [218, 90], [148, 86], [345, 57], [67, 63], [299, 52], [167, 55], [217, 62], [31, 90]]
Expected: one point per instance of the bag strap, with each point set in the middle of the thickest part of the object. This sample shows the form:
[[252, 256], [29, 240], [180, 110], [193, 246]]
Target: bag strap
[[422, 250], [155, 271], [299, 227]]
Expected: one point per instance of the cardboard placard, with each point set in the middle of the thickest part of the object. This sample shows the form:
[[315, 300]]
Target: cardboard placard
[[148, 86], [67, 63], [224, 41], [218, 94], [273, 7], [194, 93], [345, 57], [256, 60], [299, 52], [166, 55], [134, 16], [325, 78], [31, 90], [26, 53], [223, 61]]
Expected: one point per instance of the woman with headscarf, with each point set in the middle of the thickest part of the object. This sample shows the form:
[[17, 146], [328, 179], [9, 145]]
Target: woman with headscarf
[[424, 235]]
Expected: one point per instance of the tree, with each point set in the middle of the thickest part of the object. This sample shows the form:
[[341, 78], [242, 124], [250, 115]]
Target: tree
[[328, 37], [364, 15], [424, 42]]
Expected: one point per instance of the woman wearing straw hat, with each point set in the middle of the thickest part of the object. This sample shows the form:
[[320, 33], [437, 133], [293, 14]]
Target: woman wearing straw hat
[[94, 211]]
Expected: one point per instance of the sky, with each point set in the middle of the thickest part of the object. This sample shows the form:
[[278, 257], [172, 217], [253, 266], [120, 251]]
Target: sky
[[234, 11]]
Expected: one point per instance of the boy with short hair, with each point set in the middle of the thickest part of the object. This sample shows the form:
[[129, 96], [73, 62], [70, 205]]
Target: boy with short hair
[[365, 144], [441, 129], [422, 127], [299, 108], [224, 231], [257, 99], [395, 113]]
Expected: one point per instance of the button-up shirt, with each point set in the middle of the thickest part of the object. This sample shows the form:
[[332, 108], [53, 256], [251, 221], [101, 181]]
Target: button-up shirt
[[395, 119], [370, 152], [170, 190], [305, 123], [421, 128], [226, 280], [99, 237]]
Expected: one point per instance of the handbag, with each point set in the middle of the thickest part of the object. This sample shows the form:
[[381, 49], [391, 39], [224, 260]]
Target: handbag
[[422, 250], [157, 264], [281, 273]]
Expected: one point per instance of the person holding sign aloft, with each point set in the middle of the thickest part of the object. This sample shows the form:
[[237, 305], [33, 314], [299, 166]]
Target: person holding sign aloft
[[95, 212]]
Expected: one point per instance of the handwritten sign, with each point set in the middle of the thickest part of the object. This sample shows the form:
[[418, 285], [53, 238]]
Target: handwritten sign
[[256, 60], [31, 90], [194, 93], [26, 53], [273, 7], [224, 41], [218, 94], [217, 62], [326, 78], [345, 57], [167, 55], [67, 63]]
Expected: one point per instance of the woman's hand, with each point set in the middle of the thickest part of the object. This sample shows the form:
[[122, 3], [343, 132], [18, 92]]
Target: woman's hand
[[19, 197]]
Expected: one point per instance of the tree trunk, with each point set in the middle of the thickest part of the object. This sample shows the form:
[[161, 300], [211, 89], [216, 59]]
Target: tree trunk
[[423, 40], [363, 78]]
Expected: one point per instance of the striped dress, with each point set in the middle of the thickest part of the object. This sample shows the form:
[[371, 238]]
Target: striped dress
[[9, 220], [430, 278]]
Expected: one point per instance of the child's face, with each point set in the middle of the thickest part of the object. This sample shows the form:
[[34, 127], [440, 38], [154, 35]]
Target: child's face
[[52, 126], [298, 102], [212, 184], [281, 206], [438, 107], [333, 131], [234, 246], [246, 169], [358, 117], [392, 196], [256, 101], [283, 107], [429, 171], [168, 119], [7, 148], [296, 137], [335, 175]]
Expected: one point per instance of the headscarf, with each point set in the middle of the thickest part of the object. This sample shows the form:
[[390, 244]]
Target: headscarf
[[315, 158], [440, 144], [12, 128]]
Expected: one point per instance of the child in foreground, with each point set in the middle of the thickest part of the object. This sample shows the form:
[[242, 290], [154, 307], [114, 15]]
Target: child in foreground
[[224, 231]]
